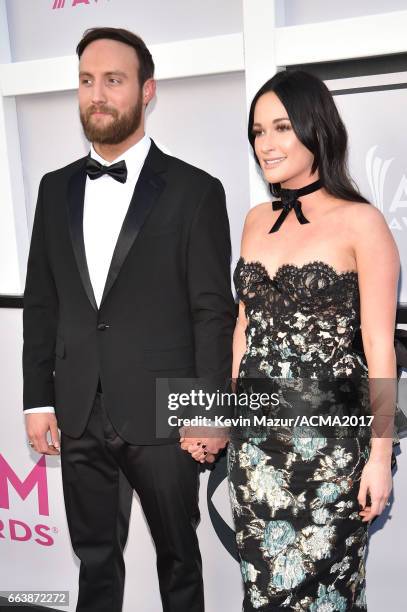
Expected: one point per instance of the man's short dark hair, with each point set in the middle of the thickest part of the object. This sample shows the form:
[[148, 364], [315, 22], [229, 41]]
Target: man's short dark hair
[[146, 63]]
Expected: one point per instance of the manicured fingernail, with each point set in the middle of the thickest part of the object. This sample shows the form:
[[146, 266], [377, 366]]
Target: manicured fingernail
[[205, 453], [203, 445], [198, 443]]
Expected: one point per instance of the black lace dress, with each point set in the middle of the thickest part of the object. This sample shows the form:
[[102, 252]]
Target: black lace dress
[[294, 498]]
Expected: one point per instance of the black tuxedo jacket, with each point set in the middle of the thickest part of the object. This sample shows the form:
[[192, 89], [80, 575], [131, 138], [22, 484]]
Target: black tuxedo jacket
[[167, 308]]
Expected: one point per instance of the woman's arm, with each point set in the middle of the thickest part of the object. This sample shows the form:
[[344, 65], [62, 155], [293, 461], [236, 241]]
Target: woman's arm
[[378, 265], [239, 340], [247, 248]]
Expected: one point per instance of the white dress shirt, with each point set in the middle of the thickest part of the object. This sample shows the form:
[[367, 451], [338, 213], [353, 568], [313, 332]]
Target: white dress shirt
[[105, 207]]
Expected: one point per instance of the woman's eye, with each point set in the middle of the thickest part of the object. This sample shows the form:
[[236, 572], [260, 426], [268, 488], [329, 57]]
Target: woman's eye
[[257, 133], [114, 81], [283, 127]]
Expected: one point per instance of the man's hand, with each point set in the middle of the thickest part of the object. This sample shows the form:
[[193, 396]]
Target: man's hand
[[37, 427]]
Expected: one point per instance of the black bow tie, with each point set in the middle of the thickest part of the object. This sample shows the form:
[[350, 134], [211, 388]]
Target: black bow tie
[[95, 170], [289, 200]]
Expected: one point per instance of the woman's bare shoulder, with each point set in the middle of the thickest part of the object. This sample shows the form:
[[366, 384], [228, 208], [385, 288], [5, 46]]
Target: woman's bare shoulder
[[363, 216], [257, 212]]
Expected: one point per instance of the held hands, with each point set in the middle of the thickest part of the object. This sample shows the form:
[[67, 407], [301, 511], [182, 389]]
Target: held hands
[[203, 448], [376, 481], [37, 427]]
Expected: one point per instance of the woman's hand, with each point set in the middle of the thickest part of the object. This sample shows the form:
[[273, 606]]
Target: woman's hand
[[377, 481]]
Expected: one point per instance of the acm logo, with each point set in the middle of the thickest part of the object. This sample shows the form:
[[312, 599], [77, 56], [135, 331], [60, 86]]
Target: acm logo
[[377, 169], [15, 529]]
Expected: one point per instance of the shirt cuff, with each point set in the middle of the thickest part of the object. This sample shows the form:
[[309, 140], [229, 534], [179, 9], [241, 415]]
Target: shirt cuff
[[48, 409]]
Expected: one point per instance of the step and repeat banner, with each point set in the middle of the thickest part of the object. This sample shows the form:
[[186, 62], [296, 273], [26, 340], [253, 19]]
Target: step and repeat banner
[[203, 121]]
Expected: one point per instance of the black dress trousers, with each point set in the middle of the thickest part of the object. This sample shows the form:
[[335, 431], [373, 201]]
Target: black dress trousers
[[99, 473]]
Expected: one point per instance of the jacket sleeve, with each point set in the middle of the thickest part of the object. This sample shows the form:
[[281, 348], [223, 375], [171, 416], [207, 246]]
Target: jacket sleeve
[[209, 283], [40, 317]]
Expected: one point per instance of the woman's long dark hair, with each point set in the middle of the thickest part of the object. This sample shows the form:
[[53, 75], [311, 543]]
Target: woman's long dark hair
[[317, 124]]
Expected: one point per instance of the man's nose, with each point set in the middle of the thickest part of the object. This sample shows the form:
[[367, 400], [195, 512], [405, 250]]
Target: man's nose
[[98, 93]]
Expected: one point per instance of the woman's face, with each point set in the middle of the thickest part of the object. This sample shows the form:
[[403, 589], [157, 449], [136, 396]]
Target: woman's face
[[283, 158]]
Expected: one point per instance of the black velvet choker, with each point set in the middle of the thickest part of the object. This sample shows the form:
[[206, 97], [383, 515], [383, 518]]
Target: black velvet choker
[[289, 200]]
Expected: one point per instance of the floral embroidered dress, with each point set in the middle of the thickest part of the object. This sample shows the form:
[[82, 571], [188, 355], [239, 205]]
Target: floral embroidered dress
[[294, 499]]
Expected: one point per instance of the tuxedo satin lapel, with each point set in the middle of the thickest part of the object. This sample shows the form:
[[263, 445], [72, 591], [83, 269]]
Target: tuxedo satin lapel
[[76, 196], [148, 188]]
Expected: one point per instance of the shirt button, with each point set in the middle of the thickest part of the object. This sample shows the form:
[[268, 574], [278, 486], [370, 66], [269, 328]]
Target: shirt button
[[102, 326]]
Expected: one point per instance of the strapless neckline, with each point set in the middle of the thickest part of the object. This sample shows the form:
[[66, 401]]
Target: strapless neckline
[[315, 264]]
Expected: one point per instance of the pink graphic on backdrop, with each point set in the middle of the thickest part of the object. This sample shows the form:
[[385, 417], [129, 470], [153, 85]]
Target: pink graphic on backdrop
[[37, 477], [59, 4], [19, 531], [25, 532]]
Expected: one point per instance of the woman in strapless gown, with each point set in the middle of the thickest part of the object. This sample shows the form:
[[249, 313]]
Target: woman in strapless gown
[[311, 269]]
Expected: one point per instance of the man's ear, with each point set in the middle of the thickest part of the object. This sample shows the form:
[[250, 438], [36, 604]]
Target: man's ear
[[149, 90]]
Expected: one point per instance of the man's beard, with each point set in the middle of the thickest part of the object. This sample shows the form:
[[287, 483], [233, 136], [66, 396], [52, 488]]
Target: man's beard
[[117, 130]]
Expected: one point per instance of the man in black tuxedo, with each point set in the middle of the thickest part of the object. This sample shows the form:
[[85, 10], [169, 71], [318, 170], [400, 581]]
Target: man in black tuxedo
[[128, 279]]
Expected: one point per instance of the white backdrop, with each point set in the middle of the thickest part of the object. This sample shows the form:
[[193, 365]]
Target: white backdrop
[[203, 120]]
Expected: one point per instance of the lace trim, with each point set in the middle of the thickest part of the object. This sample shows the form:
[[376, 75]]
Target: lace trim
[[310, 265]]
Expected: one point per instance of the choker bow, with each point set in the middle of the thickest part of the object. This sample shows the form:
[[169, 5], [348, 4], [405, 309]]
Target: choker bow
[[289, 200]]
